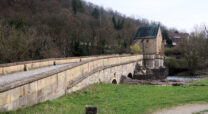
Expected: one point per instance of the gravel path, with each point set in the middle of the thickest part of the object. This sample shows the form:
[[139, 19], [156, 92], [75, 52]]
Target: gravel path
[[186, 109], [10, 78]]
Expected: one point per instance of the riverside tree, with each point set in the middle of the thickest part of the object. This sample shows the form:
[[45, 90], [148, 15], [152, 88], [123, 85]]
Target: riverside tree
[[194, 50]]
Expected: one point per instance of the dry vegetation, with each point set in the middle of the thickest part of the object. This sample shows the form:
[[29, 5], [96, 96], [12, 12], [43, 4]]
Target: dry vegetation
[[38, 29], [190, 55]]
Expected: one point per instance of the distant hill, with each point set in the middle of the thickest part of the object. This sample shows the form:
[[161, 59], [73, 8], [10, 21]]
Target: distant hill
[[37, 29]]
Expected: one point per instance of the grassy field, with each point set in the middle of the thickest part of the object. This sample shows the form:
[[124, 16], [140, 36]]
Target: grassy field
[[120, 99]]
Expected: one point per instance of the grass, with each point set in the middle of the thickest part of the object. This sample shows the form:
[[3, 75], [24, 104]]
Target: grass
[[201, 82], [120, 99]]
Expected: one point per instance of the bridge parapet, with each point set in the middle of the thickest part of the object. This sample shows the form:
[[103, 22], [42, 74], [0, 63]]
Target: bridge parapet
[[30, 65]]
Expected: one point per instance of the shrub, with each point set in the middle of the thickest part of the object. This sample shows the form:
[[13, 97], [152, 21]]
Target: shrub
[[171, 51], [175, 65], [135, 49]]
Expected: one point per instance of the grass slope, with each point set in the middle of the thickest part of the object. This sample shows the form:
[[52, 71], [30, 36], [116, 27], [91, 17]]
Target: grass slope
[[121, 99]]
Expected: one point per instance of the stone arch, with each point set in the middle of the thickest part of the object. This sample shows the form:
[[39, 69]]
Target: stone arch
[[114, 81], [130, 75]]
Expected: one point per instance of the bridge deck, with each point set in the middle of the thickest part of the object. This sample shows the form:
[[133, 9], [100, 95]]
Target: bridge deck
[[10, 78]]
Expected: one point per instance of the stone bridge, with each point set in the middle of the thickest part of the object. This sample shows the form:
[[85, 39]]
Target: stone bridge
[[27, 83]]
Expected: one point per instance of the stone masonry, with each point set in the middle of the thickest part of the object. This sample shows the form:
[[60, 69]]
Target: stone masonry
[[51, 85]]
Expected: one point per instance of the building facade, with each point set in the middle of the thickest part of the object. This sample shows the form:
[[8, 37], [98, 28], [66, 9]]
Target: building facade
[[178, 37], [150, 40]]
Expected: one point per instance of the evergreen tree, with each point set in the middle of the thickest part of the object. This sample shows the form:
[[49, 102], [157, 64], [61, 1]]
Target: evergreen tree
[[77, 6], [167, 38], [165, 35], [118, 25], [96, 13]]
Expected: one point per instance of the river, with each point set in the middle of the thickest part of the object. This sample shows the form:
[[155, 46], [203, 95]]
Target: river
[[181, 78]]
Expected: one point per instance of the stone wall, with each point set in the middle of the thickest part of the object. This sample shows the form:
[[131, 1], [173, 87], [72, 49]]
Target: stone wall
[[153, 69], [104, 75], [159, 42], [154, 61], [54, 84], [148, 45], [29, 65]]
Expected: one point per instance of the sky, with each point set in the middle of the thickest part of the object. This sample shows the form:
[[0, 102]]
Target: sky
[[181, 14]]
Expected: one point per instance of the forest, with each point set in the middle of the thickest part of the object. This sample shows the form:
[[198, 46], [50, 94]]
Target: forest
[[39, 29]]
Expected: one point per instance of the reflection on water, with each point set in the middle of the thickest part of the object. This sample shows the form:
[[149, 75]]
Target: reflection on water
[[185, 79]]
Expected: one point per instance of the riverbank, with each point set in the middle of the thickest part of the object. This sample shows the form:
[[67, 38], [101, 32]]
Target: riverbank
[[199, 73], [163, 82]]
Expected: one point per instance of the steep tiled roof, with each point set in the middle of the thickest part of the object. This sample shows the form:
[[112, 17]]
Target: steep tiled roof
[[147, 32]]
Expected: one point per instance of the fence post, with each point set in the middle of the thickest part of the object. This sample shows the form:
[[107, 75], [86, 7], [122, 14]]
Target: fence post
[[91, 110]]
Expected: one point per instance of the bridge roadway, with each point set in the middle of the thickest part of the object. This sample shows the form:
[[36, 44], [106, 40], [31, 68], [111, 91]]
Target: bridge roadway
[[10, 78]]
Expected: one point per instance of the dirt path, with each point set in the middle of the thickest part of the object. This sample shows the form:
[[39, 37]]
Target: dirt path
[[186, 109]]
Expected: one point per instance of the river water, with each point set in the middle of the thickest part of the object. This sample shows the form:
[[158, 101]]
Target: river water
[[181, 78]]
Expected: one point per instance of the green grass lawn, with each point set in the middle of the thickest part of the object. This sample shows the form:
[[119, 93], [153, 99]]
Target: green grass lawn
[[121, 99]]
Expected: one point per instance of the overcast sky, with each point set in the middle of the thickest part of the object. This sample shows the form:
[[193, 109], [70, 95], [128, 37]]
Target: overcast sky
[[181, 14]]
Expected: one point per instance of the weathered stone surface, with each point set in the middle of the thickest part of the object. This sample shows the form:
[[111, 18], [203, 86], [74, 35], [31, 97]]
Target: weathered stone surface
[[84, 68], [29, 65], [12, 69], [69, 75], [53, 85], [58, 62], [151, 74], [76, 72], [1, 71], [5, 99]]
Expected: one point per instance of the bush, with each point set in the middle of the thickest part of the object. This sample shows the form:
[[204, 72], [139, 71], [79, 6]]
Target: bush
[[135, 49], [175, 65], [171, 51]]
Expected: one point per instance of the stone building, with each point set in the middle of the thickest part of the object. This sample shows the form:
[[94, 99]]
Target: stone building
[[150, 40]]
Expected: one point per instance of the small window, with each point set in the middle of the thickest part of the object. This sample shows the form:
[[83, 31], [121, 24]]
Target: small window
[[147, 41], [142, 41]]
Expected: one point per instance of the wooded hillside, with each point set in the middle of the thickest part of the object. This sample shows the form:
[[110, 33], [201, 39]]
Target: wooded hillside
[[38, 29]]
